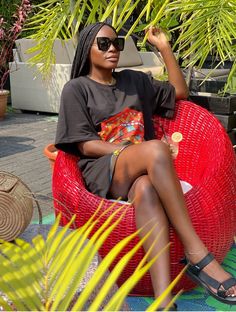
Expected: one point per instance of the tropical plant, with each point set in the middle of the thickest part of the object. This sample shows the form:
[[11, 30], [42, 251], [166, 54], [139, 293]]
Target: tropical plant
[[9, 31], [46, 275], [7, 8], [205, 28], [65, 18], [202, 27]]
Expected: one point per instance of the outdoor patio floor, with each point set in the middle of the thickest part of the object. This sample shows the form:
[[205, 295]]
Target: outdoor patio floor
[[23, 137]]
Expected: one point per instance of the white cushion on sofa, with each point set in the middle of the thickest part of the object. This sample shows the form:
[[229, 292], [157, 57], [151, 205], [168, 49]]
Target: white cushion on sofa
[[61, 53], [22, 45], [59, 49], [129, 56], [71, 47]]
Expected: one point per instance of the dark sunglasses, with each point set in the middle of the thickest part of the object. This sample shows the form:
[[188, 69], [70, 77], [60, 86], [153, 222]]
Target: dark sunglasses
[[104, 43]]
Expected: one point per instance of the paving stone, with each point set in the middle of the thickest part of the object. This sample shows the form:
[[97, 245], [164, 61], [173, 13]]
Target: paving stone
[[23, 137]]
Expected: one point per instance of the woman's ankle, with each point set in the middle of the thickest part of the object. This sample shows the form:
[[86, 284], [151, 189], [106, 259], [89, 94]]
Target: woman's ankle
[[196, 255]]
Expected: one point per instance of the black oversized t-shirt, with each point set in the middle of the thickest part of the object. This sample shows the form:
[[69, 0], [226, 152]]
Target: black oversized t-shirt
[[85, 103]]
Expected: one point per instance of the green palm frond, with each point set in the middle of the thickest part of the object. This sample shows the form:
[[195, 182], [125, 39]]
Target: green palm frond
[[46, 275], [50, 23], [62, 19], [206, 27]]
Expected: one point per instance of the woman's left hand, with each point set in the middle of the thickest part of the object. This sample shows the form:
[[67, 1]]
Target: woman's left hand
[[158, 38]]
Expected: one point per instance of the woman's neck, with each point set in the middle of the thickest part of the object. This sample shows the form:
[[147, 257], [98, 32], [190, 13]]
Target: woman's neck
[[104, 77]]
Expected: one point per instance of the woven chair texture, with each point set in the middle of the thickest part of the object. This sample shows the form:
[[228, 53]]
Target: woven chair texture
[[206, 160]]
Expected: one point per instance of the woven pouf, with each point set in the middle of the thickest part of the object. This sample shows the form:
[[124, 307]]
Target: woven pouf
[[16, 206]]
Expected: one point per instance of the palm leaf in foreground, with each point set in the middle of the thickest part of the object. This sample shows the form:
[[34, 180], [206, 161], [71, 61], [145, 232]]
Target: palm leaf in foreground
[[46, 275]]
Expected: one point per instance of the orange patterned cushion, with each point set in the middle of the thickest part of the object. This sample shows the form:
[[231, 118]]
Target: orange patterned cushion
[[125, 126]]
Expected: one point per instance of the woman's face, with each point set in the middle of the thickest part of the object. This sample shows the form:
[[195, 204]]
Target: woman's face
[[104, 59]]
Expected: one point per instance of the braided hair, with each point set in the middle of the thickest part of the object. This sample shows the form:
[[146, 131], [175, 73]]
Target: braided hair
[[80, 65]]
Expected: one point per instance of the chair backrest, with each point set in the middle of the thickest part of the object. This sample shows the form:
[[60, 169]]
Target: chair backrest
[[205, 145]]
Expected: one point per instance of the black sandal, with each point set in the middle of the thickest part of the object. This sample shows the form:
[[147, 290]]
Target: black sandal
[[203, 279]]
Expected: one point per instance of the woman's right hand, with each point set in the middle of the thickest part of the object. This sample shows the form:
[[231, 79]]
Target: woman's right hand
[[158, 38]]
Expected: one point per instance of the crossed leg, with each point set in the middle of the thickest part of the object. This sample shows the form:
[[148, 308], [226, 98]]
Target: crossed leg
[[144, 194], [145, 173]]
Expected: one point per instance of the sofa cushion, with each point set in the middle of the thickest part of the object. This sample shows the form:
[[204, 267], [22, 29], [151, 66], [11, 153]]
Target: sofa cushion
[[22, 45], [70, 48], [61, 53], [129, 56], [59, 49], [155, 71]]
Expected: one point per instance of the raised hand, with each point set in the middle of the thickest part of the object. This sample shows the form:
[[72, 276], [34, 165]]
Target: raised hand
[[158, 38]]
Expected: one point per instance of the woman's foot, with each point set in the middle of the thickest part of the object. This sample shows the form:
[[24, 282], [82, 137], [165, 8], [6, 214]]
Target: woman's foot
[[213, 273]]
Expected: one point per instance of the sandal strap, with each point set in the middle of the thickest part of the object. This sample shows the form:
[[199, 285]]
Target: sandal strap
[[208, 280], [226, 285], [174, 307], [197, 270], [229, 283], [197, 267]]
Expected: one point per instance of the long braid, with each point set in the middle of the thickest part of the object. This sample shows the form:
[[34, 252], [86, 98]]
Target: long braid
[[80, 65]]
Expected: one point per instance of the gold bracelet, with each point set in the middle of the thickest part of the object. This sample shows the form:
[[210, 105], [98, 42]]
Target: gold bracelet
[[118, 151]]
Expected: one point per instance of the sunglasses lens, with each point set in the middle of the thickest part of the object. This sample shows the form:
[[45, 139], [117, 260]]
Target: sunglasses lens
[[119, 43], [104, 43]]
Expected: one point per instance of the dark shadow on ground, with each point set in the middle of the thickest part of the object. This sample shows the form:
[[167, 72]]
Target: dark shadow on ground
[[26, 117], [10, 145]]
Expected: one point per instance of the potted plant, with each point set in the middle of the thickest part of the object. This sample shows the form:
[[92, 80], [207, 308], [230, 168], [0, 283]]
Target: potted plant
[[51, 152], [9, 31]]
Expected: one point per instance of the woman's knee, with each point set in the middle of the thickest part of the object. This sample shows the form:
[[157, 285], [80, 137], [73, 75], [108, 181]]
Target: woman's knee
[[147, 202], [158, 152], [143, 191]]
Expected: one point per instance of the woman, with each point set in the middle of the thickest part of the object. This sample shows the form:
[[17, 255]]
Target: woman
[[92, 104]]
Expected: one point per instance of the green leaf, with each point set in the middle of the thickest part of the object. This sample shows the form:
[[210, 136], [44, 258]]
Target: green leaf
[[5, 304], [116, 272], [47, 275], [102, 268], [158, 301], [125, 289], [75, 272]]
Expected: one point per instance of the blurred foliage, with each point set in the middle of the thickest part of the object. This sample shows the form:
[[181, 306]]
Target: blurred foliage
[[46, 275], [8, 7], [196, 29]]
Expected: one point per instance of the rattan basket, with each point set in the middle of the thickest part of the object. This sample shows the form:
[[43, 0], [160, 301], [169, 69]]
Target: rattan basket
[[16, 206]]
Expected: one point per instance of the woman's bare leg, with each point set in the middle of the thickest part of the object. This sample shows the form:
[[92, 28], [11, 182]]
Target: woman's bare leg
[[153, 158], [148, 207]]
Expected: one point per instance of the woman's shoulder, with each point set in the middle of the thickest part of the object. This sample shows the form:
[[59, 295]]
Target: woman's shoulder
[[77, 84], [76, 81]]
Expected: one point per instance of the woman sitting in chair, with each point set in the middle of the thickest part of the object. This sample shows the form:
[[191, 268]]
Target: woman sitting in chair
[[105, 118]]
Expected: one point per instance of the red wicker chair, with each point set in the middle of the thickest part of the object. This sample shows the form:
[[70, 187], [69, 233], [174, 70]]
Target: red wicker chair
[[206, 160]]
